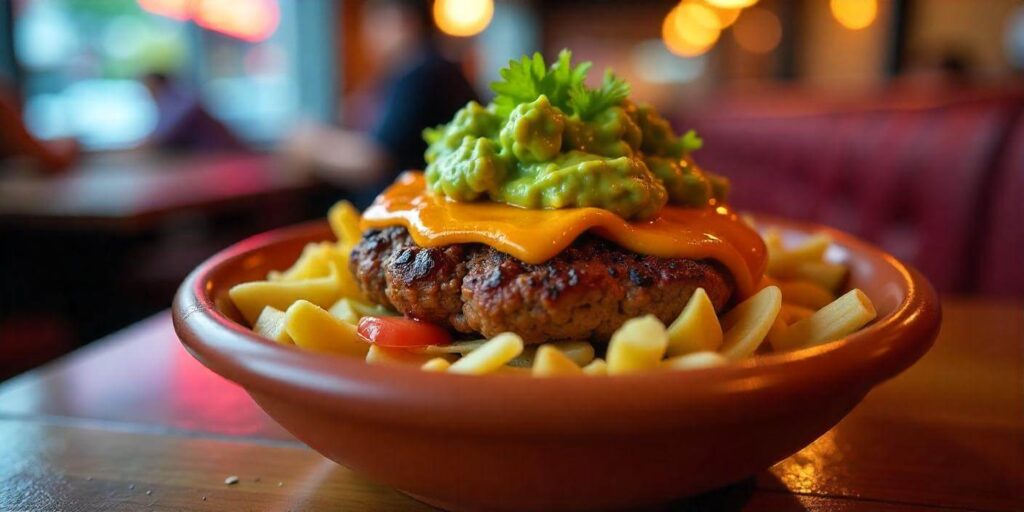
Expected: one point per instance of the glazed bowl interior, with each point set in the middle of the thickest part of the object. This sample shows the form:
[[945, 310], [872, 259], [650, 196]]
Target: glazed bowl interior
[[512, 443]]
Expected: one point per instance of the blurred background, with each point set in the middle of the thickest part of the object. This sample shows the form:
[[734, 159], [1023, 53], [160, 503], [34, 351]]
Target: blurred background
[[137, 137]]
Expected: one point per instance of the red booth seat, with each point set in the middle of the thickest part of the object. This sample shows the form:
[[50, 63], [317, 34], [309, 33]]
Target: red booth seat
[[1001, 248], [939, 183]]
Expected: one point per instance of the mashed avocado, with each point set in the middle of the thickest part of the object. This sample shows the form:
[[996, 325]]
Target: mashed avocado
[[548, 141]]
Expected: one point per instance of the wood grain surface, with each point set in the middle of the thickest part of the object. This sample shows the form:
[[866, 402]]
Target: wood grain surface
[[131, 191], [134, 423]]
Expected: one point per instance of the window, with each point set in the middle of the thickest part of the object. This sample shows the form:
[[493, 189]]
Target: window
[[82, 62]]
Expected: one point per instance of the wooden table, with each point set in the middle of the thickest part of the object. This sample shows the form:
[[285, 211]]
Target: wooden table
[[134, 423], [127, 192], [136, 223]]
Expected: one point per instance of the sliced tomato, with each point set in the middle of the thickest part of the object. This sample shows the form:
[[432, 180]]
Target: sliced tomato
[[394, 331]]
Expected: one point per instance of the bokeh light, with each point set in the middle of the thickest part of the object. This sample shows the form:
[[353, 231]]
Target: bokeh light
[[463, 18], [655, 64], [99, 113], [854, 14], [758, 30], [250, 20], [698, 23], [690, 29], [732, 4], [45, 36], [726, 16]]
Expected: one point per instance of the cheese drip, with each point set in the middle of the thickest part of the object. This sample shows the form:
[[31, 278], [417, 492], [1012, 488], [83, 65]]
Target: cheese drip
[[534, 236]]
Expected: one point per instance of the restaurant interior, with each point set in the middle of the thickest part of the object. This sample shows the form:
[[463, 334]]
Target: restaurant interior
[[898, 121], [140, 137]]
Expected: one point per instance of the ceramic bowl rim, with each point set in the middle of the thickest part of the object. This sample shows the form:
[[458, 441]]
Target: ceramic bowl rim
[[657, 400]]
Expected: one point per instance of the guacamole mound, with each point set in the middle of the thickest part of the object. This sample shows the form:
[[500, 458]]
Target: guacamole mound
[[548, 141]]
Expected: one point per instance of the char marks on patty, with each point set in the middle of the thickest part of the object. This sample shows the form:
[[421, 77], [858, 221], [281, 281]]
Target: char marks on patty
[[584, 293]]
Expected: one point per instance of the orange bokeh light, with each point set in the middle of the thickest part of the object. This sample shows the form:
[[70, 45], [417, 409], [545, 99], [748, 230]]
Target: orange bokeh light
[[732, 4], [854, 14], [758, 30], [249, 20], [690, 29], [463, 18], [726, 17]]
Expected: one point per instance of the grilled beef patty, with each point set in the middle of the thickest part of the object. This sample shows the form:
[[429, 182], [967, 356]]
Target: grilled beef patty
[[584, 293]]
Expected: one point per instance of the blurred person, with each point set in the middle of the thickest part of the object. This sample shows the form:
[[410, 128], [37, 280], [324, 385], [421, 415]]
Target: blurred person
[[16, 141], [422, 89], [182, 121]]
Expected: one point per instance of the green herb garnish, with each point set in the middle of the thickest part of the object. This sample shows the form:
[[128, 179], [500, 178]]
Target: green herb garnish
[[526, 79], [587, 103]]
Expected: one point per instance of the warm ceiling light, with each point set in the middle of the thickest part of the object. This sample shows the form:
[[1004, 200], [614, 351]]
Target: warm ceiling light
[[758, 30], [854, 14], [697, 23], [726, 17], [687, 35], [463, 18], [690, 29], [731, 4]]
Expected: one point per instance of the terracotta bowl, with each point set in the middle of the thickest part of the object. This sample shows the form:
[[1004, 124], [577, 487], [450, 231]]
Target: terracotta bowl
[[512, 443]]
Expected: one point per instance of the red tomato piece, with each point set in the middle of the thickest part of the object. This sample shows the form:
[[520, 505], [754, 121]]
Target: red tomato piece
[[393, 331]]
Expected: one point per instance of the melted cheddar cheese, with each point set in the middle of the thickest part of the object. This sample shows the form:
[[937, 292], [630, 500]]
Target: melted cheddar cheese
[[534, 236]]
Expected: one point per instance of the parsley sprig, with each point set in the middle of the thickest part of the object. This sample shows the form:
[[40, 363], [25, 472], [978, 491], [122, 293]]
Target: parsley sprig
[[524, 80], [587, 103]]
